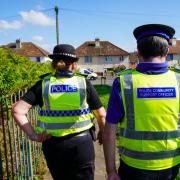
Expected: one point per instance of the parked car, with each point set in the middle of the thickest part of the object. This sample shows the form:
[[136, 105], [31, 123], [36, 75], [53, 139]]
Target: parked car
[[89, 74]]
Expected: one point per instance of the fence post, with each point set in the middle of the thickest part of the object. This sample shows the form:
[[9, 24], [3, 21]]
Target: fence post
[[9, 137], [103, 78], [1, 173], [4, 137]]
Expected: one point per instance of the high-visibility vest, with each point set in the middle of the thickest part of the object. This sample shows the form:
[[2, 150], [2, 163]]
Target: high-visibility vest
[[149, 134], [65, 109]]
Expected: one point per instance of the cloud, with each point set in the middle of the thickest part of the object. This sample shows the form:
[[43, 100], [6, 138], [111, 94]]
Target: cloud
[[40, 41], [10, 25], [48, 47], [31, 17], [38, 38], [37, 18]]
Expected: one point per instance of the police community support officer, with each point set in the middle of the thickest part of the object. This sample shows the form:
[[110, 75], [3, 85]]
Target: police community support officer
[[145, 103], [65, 117]]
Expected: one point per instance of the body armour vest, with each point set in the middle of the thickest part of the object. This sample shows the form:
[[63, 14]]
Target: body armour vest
[[65, 110], [149, 135]]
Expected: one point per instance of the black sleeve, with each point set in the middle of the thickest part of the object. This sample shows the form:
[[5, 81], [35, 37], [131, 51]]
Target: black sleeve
[[93, 99], [34, 95]]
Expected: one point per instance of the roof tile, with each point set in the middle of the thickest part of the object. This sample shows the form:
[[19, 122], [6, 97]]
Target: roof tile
[[105, 49], [28, 49]]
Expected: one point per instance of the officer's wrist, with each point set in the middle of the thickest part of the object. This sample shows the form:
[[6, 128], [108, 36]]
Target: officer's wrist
[[111, 171], [33, 137]]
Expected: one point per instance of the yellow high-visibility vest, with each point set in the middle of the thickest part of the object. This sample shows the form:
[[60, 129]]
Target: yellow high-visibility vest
[[65, 109], [149, 135]]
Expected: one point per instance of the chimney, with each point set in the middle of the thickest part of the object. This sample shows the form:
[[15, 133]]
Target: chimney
[[173, 41], [97, 42], [18, 43]]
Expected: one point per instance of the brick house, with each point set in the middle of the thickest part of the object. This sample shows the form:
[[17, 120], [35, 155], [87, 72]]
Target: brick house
[[100, 55], [173, 57], [133, 59], [30, 50]]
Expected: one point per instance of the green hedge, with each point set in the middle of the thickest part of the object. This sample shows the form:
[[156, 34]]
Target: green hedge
[[18, 71]]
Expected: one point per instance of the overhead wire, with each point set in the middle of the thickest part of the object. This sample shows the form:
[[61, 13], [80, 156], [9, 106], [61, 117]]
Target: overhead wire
[[100, 13], [97, 11]]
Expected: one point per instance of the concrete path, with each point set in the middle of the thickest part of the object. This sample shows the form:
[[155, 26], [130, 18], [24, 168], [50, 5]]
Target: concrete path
[[100, 171]]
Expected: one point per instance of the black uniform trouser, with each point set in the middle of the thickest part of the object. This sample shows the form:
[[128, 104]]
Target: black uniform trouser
[[128, 173], [70, 158]]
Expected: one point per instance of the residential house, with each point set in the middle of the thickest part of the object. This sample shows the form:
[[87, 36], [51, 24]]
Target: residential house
[[173, 56], [133, 59], [100, 55], [30, 50]]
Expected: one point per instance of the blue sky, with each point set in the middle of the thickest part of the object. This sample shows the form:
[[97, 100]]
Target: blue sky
[[83, 20]]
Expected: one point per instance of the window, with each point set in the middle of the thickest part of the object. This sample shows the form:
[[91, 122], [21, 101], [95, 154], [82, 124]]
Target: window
[[169, 57], [38, 59], [108, 58], [88, 59], [86, 72], [121, 58]]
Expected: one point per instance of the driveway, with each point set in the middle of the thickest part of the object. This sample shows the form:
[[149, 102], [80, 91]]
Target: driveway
[[101, 80]]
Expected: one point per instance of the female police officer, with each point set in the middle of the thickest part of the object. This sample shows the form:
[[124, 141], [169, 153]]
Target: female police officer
[[65, 117]]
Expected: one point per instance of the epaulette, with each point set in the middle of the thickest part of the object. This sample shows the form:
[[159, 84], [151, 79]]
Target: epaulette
[[126, 71], [44, 75], [175, 69]]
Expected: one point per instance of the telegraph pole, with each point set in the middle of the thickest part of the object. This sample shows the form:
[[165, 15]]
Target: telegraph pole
[[57, 24]]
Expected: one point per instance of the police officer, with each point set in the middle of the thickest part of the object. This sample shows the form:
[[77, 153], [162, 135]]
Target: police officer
[[68, 103], [144, 102]]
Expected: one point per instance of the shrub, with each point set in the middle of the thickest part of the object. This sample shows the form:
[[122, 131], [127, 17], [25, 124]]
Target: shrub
[[18, 71]]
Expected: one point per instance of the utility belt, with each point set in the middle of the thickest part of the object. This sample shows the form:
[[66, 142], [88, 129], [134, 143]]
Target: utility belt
[[87, 132]]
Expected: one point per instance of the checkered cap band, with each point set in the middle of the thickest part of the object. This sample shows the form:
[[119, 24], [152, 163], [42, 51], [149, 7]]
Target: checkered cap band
[[66, 54]]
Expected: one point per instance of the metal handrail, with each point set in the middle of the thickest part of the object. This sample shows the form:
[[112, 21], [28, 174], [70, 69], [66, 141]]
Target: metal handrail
[[19, 157]]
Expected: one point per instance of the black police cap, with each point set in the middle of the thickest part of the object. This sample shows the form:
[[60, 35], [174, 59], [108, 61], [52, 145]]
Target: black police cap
[[161, 30], [64, 52]]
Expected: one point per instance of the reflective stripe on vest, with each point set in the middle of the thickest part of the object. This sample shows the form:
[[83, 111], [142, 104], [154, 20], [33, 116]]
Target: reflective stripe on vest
[[52, 126], [128, 92], [46, 92], [149, 135], [178, 80], [149, 155]]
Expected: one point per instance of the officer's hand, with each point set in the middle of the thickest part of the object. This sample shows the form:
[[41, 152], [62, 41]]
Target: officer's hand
[[99, 137], [43, 136], [113, 176], [40, 137]]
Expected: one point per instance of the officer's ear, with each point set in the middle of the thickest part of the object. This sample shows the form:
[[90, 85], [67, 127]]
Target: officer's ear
[[139, 55], [167, 50], [74, 66]]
